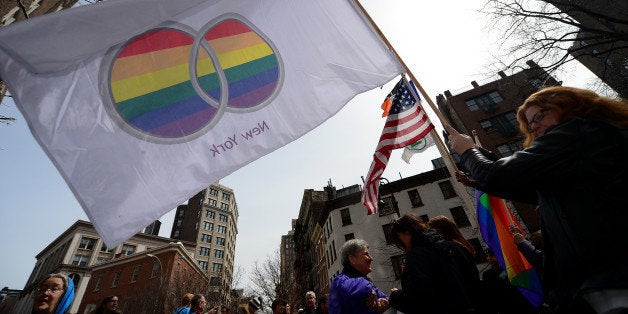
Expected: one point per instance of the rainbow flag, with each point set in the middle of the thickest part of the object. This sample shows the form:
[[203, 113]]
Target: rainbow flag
[[494, 219]]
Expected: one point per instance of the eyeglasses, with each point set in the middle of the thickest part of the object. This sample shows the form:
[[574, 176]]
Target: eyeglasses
[[538, 117], [51, 290]]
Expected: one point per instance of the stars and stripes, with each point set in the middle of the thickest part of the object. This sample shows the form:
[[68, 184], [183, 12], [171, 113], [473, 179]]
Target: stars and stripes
[[406, 124]]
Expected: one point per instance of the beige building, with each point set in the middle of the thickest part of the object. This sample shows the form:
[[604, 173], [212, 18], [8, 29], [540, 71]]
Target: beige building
[[210, 219], [75, 252], [331, 217]]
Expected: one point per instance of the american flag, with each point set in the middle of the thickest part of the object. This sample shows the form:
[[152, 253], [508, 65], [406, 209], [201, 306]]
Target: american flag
[[406, 124]]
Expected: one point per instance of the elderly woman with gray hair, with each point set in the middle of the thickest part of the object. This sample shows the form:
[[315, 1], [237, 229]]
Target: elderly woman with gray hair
[[54, 295], [351, 291]]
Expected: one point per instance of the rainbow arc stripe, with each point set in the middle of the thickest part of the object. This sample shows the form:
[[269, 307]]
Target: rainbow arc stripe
[[152, 88]]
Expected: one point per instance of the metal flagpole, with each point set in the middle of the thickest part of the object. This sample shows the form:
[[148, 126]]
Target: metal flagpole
[[447, 158]]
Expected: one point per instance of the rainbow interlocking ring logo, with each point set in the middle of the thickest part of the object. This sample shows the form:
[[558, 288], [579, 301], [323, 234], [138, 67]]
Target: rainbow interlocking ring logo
[[170, 85]]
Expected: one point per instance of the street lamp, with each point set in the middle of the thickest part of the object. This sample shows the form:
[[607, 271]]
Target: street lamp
[[161, 278]]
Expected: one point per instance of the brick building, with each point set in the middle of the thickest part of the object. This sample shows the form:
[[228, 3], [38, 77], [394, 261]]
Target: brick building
[[490, 110], [151, 282], [75, 252]]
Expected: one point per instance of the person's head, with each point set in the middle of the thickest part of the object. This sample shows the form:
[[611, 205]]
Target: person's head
[[406, 230], [322, 303], [536, 238], [448, 229], [224, 309], [54, 294], [186, 300], [491, 259], [255, 303], [109, 304], [355, 253], [278, 306], [310, 300], [198, 302], [553, 105]]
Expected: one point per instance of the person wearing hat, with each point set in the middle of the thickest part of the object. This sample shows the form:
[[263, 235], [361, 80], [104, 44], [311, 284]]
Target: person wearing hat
[[255, 305]]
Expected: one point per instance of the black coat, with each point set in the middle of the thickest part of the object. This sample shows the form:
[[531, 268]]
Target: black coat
[[439, 277], [579, 172]]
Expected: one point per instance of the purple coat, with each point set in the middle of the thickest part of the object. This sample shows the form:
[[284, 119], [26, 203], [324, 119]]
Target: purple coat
[[349, 291]]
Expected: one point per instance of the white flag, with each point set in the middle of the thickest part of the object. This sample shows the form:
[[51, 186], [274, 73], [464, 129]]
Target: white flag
[[140, 104], [418, 147]]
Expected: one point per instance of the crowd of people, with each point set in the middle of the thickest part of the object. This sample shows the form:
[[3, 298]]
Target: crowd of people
[[574, 166]]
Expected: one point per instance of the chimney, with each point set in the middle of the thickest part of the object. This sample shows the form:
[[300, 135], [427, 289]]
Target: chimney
[[532, 64], [447, 94], [475, 84], [502, 74]]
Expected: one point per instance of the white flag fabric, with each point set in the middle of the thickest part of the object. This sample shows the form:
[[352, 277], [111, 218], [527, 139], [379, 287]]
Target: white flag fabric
[[417, 147], [140, 104]]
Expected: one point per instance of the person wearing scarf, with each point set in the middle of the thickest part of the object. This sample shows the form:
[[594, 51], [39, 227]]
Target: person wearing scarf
[[351, 291], [54, 295]]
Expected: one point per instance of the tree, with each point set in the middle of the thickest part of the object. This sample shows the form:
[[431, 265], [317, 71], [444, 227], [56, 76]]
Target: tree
[[267, 280], [555, 32]]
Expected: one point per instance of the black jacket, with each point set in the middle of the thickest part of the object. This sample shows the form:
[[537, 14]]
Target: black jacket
[[579, 172], [439, 277]]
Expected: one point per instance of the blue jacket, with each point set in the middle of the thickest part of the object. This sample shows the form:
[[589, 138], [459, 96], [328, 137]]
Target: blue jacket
[[349, 291]]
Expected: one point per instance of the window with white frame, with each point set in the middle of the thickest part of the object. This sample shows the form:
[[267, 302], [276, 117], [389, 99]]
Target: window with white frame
[[136, 273]]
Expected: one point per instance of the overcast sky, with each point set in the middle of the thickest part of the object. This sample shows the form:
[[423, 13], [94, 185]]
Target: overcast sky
[[444, 43]]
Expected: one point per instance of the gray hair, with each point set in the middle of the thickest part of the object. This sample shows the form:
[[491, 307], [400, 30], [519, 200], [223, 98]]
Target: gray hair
[[310, 293], [57, 275], [350, 248]]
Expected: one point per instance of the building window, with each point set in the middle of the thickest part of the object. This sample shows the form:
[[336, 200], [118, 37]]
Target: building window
[[219, 253], [349, 236], [386, 206], [345, 215], [98, 283], [116, 277], [103, 248], [181, 213], [226, 196], [387, 234], [203, 265], [212, 203], [536, 82], [222, 218], [87, 243], [210, 214], [176, 233], [220, 241], [424, 218], [509, 148], [127, 249], [415, 198], [179, 222], [214, 281], [447, 189], [506, 124], [213, 192], [203, 251], [101, 260], [206, 238], [155, 269], [224, 206], [397, 263], [221, 229], [136, 273], [488, 102], [460, 217], [80, 260], [208, 226], [217, 267]]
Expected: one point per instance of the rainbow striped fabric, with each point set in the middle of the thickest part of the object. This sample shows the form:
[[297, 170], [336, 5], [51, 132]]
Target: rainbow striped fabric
[[152, 82], [493, 218]]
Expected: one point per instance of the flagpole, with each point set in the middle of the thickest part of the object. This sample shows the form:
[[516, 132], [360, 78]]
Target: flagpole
[[447, 158]]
